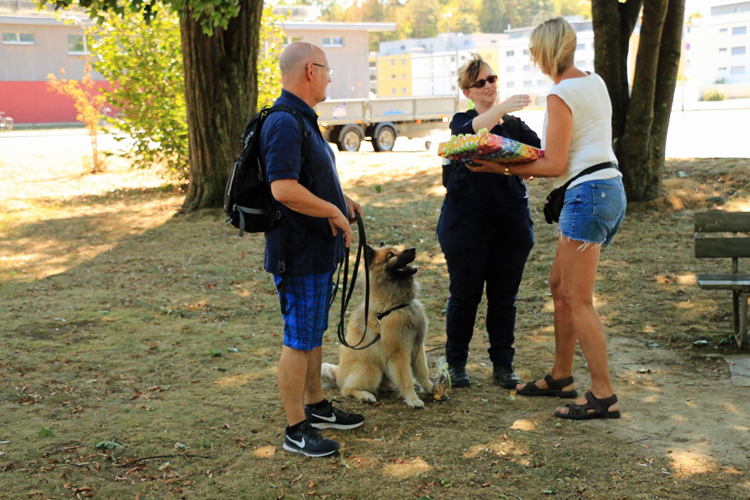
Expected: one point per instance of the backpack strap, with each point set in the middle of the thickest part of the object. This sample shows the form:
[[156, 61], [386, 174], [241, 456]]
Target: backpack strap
[[305, 153]]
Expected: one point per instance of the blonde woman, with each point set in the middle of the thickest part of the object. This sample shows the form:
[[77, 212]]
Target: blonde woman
[[577, 136], [485, 231]]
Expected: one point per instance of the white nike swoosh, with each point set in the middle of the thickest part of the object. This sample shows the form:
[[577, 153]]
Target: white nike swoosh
[[332, 418], [301, 444]]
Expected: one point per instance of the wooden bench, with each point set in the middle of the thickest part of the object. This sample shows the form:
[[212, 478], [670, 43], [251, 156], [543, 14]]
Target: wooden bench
[[708, 244]]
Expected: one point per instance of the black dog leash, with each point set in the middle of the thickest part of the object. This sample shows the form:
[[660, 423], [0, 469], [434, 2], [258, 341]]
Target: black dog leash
[[346, 295]]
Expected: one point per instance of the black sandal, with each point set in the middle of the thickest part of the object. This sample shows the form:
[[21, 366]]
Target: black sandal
[[554, 388], [600, 408]]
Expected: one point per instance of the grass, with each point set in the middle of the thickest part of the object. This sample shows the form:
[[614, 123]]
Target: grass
[[139, 350]]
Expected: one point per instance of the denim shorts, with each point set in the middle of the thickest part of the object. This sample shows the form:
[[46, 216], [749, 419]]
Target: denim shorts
[[593, 211], [308, 298]]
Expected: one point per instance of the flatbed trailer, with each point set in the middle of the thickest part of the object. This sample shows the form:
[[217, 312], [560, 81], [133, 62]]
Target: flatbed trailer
[[347, 122]]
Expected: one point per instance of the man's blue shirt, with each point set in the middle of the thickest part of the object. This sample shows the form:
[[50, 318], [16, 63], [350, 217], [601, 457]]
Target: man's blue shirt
[[311, 247]]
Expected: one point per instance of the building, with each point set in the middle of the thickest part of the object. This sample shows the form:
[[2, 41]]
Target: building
[[35, 44], [347, 48], [716, 51], [435, 62]]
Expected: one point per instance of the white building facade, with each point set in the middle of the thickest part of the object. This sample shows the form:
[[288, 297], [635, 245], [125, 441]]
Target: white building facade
[[717, 49]]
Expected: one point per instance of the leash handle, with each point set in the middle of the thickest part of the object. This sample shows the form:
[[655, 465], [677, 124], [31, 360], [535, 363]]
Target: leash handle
[[346, 294]]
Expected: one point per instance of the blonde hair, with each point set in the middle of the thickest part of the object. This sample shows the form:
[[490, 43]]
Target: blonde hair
[[552, 44], [469, 72]]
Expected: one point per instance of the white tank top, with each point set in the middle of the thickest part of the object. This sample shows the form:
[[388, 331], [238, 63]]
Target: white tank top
[[591, 140]]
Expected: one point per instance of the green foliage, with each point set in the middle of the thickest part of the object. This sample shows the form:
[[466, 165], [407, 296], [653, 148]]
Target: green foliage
[[143, 62], [271, 45], [106, 445], [44, 432], [211, 13], [713, 95]]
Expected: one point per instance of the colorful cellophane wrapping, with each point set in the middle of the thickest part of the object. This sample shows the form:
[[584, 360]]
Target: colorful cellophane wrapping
[[489, 147]]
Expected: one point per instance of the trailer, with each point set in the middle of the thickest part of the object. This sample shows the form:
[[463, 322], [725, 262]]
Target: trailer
[[348, 122]]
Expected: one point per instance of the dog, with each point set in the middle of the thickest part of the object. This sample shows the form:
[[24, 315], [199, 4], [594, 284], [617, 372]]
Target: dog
[[398, 358]]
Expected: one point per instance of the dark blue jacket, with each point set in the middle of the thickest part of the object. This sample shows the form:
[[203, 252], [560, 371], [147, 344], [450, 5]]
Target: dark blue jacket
[[311, 247], [488, 191]]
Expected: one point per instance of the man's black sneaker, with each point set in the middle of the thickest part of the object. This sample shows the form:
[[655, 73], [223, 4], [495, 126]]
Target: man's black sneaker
[[332, 418], [459, 377], [309, 442], [505, 376]]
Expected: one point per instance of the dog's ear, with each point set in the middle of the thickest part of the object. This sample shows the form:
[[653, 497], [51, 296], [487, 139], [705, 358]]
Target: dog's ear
[[382, 244], [369, 255]]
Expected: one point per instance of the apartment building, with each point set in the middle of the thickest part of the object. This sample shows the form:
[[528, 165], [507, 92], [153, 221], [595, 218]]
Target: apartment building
[[435, 61], [717, 49]]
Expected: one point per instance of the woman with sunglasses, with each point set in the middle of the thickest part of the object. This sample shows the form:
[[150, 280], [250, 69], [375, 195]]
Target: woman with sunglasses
[[485, 231], [578, 148]]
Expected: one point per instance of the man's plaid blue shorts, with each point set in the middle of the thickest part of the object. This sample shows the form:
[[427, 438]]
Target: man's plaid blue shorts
[[308, 299]]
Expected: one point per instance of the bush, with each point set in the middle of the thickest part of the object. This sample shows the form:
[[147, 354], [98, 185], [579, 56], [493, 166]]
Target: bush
[[714, 95]]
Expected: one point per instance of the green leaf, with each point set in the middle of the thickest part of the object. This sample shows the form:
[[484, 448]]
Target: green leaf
[[44, 432], [216, 352], [378, 189], [106, 445]]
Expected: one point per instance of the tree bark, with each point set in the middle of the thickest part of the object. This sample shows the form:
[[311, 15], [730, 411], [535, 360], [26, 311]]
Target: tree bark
[[221, 95], [640, 116]]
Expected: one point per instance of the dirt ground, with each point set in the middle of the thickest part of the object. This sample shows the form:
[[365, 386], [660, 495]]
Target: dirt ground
[[125, 322]]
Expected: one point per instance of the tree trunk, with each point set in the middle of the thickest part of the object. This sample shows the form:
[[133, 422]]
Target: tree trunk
[[221, 95], [640, 116]]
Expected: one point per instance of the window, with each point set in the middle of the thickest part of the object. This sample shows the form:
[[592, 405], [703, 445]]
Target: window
[[526, 52], [373, 78], [723, 69], [372, 64], [393, 77], [510, 85], [723, 49], [527, 67], [581, 46], [333, 41], [403, 62], [403, 91], [738, 51], [739, 31], [292, 39], [77, 44], [15, 38], [453, 59], [737, 70], [527, 83], [393, 91], [723, 30], [510, 69], [541, 82], [393, 62], [467, 42], [509, 53], [403, 76], [453, 88], [493, 41]]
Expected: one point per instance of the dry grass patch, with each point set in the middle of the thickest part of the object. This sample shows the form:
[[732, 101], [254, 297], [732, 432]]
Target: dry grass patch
[[156, 336]]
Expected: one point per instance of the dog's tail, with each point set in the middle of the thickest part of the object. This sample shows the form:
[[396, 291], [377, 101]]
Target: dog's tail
[[328, 373]]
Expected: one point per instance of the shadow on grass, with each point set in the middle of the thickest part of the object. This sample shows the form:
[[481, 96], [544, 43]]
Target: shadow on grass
[[162, 333]]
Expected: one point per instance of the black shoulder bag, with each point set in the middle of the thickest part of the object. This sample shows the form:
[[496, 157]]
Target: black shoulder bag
[[556, 199]]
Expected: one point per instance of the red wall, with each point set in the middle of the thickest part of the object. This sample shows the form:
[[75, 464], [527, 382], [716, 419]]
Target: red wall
[[31, 102]]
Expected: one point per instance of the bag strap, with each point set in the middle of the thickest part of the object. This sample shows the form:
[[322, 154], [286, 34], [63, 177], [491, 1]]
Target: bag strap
[[305, 153], [346, 294], [590, 170]]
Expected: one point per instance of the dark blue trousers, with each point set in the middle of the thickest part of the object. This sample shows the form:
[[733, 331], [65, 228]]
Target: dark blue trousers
[[482, 247]]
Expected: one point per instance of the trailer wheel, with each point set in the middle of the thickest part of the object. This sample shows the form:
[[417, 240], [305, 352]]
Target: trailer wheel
[[350, 139], [385, 138]]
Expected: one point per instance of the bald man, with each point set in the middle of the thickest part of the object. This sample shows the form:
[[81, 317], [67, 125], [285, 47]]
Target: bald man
[[317, 216]]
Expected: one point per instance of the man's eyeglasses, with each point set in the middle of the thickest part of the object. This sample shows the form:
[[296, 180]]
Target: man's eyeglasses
[[328, 69], [480, 83]]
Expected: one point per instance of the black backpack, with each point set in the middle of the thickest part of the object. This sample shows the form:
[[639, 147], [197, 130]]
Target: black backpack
[[247, 197]]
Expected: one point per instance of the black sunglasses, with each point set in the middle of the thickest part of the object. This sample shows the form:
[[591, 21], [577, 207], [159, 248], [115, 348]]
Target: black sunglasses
[[480, 83]]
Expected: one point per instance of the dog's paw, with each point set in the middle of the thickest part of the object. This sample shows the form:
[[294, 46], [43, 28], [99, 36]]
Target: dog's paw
[[415, 403], [367, 397], [427, 388]]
